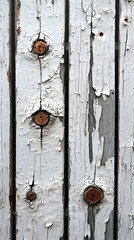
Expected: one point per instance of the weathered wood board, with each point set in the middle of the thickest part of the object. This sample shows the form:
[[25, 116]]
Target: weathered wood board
[[40, 87], [39, 149], [126, 123], [4, 121], [91, 116]]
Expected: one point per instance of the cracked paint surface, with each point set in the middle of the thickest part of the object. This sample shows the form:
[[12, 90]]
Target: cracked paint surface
[[4, 121], [126, 96], [39, 155], [91, 85], [91, 135]]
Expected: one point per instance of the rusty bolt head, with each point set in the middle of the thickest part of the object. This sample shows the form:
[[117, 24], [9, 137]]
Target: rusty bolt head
[[31, 195], [93, 194], [101, 34], [41, 118], [40, 47]]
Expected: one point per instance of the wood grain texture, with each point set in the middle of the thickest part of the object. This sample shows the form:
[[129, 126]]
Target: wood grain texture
[[126, 130], [4, 121], [91, 116], [40, 155]]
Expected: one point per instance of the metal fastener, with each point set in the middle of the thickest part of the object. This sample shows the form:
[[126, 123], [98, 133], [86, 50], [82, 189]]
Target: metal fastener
[[93, 194], [101, 34], [40, 47], [41, 118], [31, 195]]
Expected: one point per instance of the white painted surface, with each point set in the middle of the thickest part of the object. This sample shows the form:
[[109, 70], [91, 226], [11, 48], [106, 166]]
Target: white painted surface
[[94, 165], [42, 218], [126, 163], [4, 121]]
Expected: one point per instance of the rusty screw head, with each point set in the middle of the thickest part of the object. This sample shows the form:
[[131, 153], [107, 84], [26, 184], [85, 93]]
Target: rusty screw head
[[40, 47], [93, 194], [31, 195], [101, 34], [41, 118]]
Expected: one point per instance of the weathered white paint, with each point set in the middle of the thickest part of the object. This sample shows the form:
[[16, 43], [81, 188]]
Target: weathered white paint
[[91, 116], [126, 154], [4, 121], [40, 80], [91, 119]]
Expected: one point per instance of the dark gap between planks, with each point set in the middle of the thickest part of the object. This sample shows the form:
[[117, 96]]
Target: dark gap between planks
[[66, 123], [116, 163], [12, 82]]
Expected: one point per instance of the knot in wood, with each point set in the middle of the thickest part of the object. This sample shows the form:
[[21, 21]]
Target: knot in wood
[[93, 194], [41, 118], [31, 195], [40, 47]]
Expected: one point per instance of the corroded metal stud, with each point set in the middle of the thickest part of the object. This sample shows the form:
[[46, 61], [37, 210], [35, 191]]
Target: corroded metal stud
[[41, 118], [101, 34], [31, 195], [93, 194], [40, 47]]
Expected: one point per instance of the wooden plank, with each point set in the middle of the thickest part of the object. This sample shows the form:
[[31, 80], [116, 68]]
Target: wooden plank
[[91, 116], [4, 121], [40, 150], [126, 117]]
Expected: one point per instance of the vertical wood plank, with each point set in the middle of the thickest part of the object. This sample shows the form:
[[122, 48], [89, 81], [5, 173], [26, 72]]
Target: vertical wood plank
[[91, 117], [4, 121], [40, 150], [126, 130]]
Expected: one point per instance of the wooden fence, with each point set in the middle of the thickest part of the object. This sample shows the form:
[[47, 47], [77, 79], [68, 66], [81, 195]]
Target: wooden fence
[[67, 120]]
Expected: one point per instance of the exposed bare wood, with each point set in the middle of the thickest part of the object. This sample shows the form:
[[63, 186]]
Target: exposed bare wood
[[91, 116], [126, 97], [39, 150]]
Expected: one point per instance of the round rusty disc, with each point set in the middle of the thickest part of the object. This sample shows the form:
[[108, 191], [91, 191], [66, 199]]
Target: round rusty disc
[[93, 194], [41, 118], [40, 47], [30, 195]]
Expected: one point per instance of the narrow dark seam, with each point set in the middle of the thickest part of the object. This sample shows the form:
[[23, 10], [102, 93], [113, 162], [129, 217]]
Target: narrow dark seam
[[66, 123], [12, 80], [116, 163]]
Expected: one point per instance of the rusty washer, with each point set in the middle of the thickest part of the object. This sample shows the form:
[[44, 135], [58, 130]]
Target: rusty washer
[[41, 118], [93, 194], [40, 47], [31, 195]]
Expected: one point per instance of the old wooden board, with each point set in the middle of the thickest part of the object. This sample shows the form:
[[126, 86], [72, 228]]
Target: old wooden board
[[39, 148], [91, 117], [38, 180], [4, 121], [126, 123]]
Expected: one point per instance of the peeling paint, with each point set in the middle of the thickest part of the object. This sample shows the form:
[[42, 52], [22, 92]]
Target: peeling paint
[[91, 221], [91, 122], [126, 124], [52, 2], [91, 100], [5, 78], [62, 73], [18, 6], [48, 224], [106, 126], [91, 93], [39, 154], [104, 214], [109, 228]]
